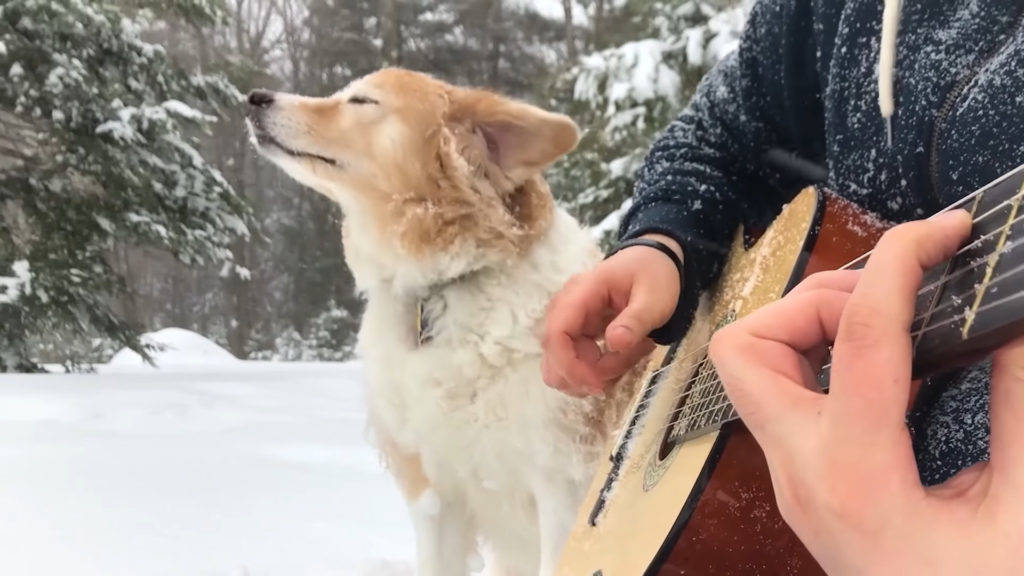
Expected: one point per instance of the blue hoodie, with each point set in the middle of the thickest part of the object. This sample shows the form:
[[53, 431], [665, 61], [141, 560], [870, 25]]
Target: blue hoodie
[[904, 121]]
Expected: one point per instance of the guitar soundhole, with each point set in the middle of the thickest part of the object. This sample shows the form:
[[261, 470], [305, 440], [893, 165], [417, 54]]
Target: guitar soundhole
[[701, 408]]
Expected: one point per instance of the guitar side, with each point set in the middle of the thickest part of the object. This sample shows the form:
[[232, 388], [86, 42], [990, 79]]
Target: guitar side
[[706, 506]]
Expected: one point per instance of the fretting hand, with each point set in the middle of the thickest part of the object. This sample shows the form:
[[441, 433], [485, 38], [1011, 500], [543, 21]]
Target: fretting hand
[[842, 465]]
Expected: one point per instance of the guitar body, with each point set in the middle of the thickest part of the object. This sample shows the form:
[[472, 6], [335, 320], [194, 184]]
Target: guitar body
[[678, 494]]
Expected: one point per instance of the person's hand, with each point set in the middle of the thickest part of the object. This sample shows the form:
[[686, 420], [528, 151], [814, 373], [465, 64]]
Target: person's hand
[[842, 464], [621, 300]]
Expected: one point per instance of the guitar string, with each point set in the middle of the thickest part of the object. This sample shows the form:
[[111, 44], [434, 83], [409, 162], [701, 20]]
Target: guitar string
[[959, 203], [691, 390], [728, 404], [943, 280], [948, 278], [914, 334]]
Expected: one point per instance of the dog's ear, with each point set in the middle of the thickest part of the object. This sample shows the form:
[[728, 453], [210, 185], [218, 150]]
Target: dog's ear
[[523, 140]]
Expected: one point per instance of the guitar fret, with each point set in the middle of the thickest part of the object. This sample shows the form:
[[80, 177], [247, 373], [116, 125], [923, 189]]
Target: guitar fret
[[703, 407], [928, 299], [956, 310], [993, 259]]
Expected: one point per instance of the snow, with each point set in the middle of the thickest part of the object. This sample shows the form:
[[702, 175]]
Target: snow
[[179, 348], [240, 468], [12, 287], [555, 10], [119, 129], [634, 72], [185, 111], [726, 28], [610, 223]]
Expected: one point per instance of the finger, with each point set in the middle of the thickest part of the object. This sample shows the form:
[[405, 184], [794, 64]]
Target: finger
[[551, 377], [645, 311], [840, 280], [764, 397], [614, 364], [871, 358], [760, 358], [1007, 413], [843, 280], [554, 379], [579, 376], [565, 326], [803, 321]]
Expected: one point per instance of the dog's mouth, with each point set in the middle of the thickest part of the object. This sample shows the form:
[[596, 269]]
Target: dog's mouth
[[265, 139]]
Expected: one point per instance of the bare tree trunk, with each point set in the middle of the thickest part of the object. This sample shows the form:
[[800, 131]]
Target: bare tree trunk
[[291, 21], [494, 57], [130, 300], [179, 307], [597, 28], [570, 31], [240, 289], [391, 33]]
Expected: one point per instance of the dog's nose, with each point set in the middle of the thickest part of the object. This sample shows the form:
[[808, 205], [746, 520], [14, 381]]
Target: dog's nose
[[261, 98]]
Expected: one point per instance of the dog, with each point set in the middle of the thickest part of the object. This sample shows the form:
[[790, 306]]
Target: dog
[[457, 245]]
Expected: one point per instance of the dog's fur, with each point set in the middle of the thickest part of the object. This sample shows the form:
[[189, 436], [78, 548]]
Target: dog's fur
[[445, 204]]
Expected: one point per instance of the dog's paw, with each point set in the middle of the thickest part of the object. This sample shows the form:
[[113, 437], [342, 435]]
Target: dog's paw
[[428, 504], [475, 562]]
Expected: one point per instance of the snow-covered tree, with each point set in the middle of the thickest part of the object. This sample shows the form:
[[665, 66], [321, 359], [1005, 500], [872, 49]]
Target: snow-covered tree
[[331, 336], [98, 149], [623, 96]]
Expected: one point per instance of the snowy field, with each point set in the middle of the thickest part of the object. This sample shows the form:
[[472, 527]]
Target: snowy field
[[207, 467]]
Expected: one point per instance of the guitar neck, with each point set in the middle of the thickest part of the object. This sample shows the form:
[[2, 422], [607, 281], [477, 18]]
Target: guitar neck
[[974, 302], [966, 306]]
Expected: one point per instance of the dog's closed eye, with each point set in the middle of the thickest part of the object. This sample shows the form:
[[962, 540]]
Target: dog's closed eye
[[361, 100]]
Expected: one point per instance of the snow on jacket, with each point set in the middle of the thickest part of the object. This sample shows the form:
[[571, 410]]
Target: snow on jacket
[[805, 79]]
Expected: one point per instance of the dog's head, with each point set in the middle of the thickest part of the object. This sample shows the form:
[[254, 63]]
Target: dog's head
[[435, 180]]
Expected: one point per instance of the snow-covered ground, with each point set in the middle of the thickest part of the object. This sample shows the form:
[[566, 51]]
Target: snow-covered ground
[[212, 468]]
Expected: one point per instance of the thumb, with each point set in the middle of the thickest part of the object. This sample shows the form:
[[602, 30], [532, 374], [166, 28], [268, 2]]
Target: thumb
[[648, 308], [1006, 407]]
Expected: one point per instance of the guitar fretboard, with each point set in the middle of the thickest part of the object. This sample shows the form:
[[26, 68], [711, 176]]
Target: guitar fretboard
[[965, 306], [972, 301]]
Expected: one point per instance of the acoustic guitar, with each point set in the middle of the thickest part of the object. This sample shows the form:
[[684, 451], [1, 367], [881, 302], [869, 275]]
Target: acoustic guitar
[[686, 489]]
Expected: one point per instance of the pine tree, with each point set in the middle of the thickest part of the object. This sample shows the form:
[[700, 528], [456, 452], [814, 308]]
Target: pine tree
[[98, 148], [624, 95]]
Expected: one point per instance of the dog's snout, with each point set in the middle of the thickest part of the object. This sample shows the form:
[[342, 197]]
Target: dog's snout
[[261, 98]]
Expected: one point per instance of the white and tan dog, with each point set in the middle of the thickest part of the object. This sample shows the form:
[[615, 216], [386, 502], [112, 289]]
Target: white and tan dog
[[457, 245]]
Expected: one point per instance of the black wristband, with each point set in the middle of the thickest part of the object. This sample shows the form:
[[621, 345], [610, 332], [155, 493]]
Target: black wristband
[[660, 246], [686, 305]]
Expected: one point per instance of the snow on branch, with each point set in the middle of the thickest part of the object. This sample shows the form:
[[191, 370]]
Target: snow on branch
[[12, 287]]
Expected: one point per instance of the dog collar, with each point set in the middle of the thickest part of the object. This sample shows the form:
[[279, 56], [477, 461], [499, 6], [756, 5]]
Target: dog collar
[[430, 307], [429, 310], [422, 325]]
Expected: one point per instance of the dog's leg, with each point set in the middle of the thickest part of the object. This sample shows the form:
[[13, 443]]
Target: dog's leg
[[557, 504], [444, 536]]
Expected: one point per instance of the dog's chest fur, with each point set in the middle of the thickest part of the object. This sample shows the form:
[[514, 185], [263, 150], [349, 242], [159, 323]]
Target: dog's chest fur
[[471, 401]]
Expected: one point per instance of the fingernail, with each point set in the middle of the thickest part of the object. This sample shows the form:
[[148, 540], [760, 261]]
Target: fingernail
[[951, 216], [625, 334]]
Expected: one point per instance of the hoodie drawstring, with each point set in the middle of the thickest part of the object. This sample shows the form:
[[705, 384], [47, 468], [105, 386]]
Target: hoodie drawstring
[[887, 63]]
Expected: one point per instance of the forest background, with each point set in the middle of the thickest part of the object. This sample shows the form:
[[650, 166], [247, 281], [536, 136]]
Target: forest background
[[131, 199]]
